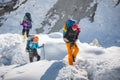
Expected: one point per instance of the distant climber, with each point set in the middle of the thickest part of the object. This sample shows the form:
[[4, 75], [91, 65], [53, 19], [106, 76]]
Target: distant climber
[[27, 25]]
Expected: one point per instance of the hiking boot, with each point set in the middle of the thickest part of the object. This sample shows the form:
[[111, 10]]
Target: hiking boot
[[24, 36]]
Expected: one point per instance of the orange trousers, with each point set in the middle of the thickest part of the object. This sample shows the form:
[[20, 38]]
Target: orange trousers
[[72, 52]]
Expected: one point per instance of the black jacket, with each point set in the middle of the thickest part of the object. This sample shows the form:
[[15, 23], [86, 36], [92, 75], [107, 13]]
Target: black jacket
[[71, 35]]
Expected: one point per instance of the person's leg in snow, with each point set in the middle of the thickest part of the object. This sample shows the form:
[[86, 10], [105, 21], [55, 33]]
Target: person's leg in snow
[[70, 59], [72, 53], [38, 57], [75, 51], [31, 57], [23, 33], [36, 54], [27, 33], [33, 54]]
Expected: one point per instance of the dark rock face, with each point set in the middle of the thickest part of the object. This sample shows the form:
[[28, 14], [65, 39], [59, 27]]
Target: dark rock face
[[66, 9], [59, 13], [7, 7]]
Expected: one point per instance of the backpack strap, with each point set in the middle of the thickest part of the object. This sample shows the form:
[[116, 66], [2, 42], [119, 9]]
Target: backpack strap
[[78, 30], [65, 27]]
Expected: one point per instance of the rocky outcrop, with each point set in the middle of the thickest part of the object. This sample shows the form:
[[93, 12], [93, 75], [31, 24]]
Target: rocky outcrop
[[7, 7], [66, 9]]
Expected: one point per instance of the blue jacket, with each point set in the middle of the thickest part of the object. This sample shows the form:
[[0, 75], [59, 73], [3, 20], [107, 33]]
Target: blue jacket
[[34, 45]]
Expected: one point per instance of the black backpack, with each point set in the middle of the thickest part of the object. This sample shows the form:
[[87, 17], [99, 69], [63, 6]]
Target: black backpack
[[28, 15], [30, 38]]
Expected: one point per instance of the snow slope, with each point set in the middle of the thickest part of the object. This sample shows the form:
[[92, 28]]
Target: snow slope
[[53, 63], [12, 48], [95, 63]]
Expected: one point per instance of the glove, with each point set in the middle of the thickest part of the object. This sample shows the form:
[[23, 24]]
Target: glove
[[66, 40]]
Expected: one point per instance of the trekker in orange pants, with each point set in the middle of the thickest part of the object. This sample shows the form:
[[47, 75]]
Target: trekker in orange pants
[[72, 52], [70, 38]]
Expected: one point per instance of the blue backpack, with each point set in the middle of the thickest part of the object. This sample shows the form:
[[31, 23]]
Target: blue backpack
[[67, 25]]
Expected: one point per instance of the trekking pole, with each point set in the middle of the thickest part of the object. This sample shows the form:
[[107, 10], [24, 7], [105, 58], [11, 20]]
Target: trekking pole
[[44, 51]]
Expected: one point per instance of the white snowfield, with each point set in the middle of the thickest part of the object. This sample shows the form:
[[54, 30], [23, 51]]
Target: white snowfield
[[92, 62]]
